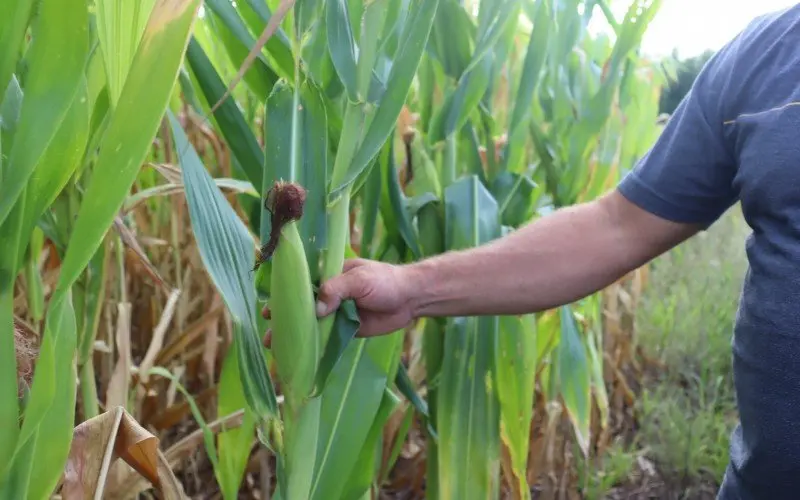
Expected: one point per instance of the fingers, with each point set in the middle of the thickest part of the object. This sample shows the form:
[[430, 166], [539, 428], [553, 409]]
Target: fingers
[[348, 285], [331, 294]]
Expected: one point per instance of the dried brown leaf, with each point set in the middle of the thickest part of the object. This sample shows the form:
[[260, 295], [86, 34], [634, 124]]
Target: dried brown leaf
[[172, 173], [211, 345], [174, 457], [157, 340], [119, 385], [130, 241], [96, 445], [181, 342]]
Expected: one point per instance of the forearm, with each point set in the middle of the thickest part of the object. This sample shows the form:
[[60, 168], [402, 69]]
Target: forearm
[[556, 260]]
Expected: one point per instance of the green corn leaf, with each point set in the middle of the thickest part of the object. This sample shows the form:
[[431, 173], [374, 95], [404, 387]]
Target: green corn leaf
[[234, 444], [90, 293], [283, 60], [234, 128], [60, 160], [126, 141], [366, 467], [345, 327], [350, 403], [594, 348], [119, 28], [226, 12], [470, 91], [60, 47], [299, 153], [516, 377], [425, 176], [535, 55], [398, 203], [468, 408], [406, 388], [9, 112], [15, 483], [388, 216], [33, 279], [227, 251], [302, 439], [493, 20], [371, 202], [10, 237], [260, 77], [574, 377], [452, 38], [279, 49], [263, 13], [14, 18], [9, 407], [462, 102], [342, 45], [374, 18], [55, 431], [404, 67], [517, 195], [317, 58], [47, 430]]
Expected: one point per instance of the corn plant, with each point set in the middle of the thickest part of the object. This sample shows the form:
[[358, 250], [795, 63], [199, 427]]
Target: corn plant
[[334, 78], [83, 96], [319, 145], [519, 111]]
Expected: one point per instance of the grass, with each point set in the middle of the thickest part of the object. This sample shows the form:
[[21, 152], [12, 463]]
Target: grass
[[687, 408]]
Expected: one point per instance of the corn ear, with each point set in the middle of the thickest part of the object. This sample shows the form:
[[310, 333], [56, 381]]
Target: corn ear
[[295, 339]]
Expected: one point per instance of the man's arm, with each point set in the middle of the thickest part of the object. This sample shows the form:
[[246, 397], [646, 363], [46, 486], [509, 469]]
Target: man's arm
[[555, 260], [681, 185]]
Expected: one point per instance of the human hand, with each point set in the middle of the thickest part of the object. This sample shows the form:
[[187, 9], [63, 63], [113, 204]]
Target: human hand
[[383, 294]]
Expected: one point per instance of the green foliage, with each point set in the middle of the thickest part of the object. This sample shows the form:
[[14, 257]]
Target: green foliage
[[318, 112], [48, 154], [686, 320]]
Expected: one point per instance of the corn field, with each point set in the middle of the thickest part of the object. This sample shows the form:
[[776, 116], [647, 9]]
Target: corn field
[[170, 167]]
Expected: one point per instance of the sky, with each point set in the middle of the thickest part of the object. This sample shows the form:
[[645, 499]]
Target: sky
[[692, 26]]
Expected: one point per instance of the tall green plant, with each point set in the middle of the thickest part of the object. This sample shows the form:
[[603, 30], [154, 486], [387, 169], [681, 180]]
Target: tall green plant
[[332, 82], [51, 149]]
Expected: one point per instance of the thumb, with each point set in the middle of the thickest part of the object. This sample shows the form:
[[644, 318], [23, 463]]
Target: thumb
[[335, 290]]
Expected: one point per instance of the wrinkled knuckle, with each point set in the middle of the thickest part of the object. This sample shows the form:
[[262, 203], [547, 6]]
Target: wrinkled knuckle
[[327, 289]]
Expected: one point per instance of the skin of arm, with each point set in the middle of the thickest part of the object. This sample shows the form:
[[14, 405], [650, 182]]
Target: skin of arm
[[552, 261]]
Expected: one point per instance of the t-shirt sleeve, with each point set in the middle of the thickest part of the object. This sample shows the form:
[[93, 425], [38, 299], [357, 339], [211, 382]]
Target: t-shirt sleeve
[[687, 176]]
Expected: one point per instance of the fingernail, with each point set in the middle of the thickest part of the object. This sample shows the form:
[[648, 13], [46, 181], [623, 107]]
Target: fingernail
[[322, 308]]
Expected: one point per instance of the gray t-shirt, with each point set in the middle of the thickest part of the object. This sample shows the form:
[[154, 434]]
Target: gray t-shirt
[[736, 137]]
